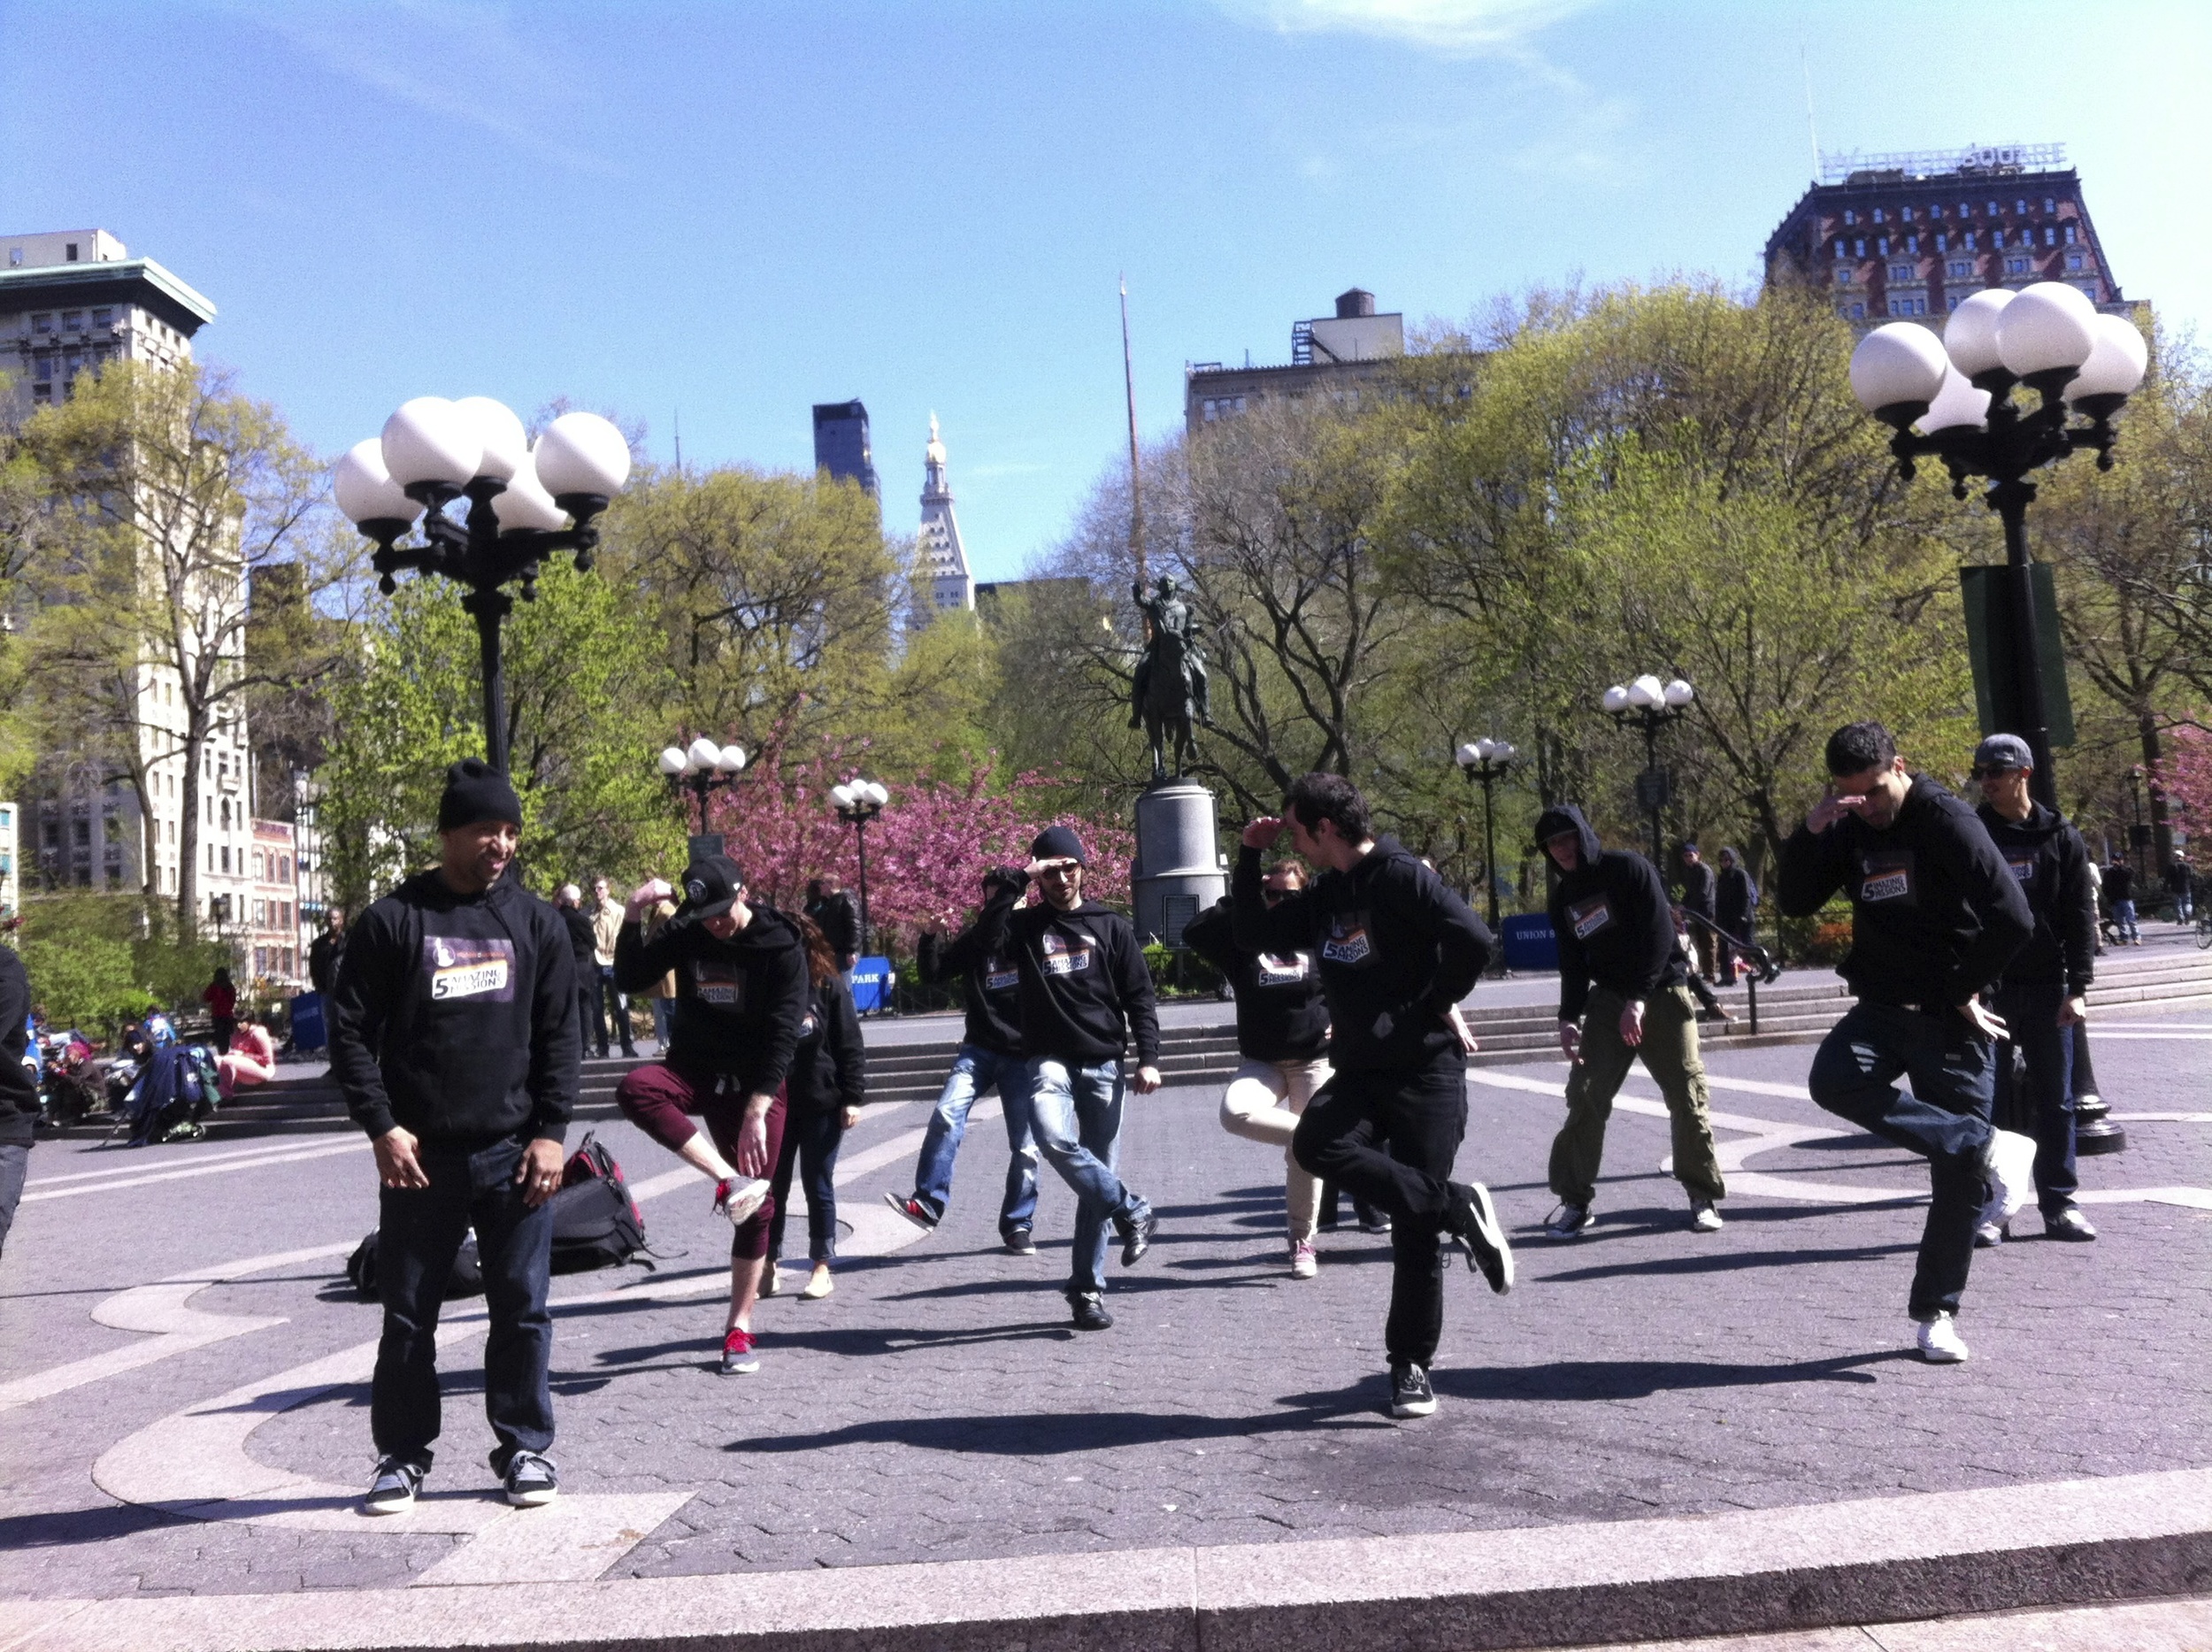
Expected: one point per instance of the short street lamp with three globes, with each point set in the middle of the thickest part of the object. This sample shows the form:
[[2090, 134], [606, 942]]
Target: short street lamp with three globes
[[1484, 762], [857, 803], [1950, 398], [701, 768], [1649, 705], [525, 503]]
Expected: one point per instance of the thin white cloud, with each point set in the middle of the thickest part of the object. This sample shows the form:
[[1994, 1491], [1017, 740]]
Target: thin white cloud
[[1468, 27]]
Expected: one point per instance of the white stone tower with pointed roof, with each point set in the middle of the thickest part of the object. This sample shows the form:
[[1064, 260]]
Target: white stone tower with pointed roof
[[951, 583]]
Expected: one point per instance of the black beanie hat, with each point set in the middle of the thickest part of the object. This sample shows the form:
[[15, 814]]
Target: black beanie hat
[[476, 791], [1058, 843]]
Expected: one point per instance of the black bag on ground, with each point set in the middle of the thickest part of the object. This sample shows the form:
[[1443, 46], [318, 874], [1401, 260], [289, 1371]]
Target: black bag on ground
[[595, 1222], [466, 1280]]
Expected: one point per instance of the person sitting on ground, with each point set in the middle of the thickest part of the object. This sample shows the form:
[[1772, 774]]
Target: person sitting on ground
[[251, 1059]]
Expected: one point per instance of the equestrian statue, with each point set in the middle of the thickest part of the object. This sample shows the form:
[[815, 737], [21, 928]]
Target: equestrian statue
[[1169, 692]]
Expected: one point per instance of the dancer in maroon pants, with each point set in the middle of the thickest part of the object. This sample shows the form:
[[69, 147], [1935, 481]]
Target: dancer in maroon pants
[[740, 994]]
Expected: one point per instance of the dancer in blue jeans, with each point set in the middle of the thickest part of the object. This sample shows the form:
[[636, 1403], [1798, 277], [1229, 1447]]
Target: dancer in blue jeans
[[989, 1058], [1936, 914], [1084, 992]]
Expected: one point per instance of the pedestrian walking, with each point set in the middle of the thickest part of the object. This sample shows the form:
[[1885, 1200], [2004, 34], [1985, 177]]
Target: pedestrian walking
[[663, 991], [2181, 886], [989, 1058], [1700, 898], [18, 1091], [1935, 915], [453, 1040], [1283, 1036], [2043, 992], [583, 943], [221, 999], [828, 1083], [740, 1001], [324, 950], [1084, 993], [1624, 994], [1736, 910], [606, 928], [2100, 911], [1396, 951], [2119, 894], [833, 913]]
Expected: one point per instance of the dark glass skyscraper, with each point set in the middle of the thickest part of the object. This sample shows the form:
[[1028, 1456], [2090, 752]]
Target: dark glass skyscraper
[[841, 443]]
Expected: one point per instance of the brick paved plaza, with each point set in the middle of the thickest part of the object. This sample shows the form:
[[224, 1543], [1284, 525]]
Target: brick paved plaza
[[939, 1407]]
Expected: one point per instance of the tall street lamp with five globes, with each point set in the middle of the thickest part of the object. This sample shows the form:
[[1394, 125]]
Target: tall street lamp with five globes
[[701, 768]]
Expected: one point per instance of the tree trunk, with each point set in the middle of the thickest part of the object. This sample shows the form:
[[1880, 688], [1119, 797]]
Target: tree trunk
[[2161, 819], [188, 829]]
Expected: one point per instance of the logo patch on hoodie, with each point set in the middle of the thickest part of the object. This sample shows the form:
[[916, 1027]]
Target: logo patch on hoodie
[[1887, 876], [1275, 970], [2022, 867], [1348, 941], [1065, 955], [999, 976], [1586, 918], [719, 982], [462, 966]]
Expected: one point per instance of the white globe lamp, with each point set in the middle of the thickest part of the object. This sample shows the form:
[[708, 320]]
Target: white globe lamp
[[431, 440]]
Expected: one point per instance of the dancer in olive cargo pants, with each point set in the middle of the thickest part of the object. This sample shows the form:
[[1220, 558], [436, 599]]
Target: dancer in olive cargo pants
[[1669, 1052]]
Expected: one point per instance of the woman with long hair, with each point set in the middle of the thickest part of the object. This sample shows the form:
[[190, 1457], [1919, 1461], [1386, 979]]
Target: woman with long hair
[[829, 1077]]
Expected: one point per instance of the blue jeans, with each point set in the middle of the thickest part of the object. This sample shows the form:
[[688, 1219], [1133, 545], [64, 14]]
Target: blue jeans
[[974, 1071], [2044, 1106], [418, 1232], [663, 1008], [1078, 1112], [1945, 1119], [2124, 920], [811, 1140]]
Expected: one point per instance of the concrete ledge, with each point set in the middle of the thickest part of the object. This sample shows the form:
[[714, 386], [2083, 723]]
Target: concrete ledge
[[1881, 1560]]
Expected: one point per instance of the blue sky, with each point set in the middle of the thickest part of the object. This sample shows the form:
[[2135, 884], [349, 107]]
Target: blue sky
[[727, 212]]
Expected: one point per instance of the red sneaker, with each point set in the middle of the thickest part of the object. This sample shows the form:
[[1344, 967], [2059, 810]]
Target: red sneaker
[[739, 1357]]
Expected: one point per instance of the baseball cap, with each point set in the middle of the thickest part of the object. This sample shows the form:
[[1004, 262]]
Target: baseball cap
[[2003, 751], [710, 885]]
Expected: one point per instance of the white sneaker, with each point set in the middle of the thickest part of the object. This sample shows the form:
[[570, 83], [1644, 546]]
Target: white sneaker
[[1305, 1262], [738, 1199], [1704, 1217], [818, 1285], [1989, 1236], [1940, 1343], [2010, 1166]]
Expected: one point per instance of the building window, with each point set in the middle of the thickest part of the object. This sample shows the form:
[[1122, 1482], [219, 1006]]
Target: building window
[[1959, 268], [1908, 306], [2020, 208], [1842, 248], [1858, 313], [1902, 272], [1966, 209], [72, 320], [1843, 275], [42, 369], [1905, 213], [1881, 246], [103, 319], [2019, 267], [1942, 242], [1858, 247], [2073, 260], [2050, 207], [226, 857], [1994, 209], [2089, 291], [1969, 239], [1996, 237], [284, 869], [2070, 235], [1877, 214], [1850, 217], [2050, 236]]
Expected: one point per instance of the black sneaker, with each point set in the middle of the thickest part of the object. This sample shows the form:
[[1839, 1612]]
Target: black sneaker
[[393, 1489], [1020, 1240], [530, 1480], [1410, 1394], [1473, 1221], [1136, 1232], [1371, 1219], [1090, 1312], [912, 1209]]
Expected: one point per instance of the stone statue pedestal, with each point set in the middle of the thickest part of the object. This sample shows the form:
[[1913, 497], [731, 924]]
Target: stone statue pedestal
[[1178, 872]]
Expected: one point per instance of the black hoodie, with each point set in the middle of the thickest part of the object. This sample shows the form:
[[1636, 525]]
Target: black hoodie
[[19, 1094], [2051, 863], [829, 1068], [1610, 918], [1084, 990], [455, 1015], [1281, 1015], [1936, 912], [989, 983], [1396, 951], [739, 1002]]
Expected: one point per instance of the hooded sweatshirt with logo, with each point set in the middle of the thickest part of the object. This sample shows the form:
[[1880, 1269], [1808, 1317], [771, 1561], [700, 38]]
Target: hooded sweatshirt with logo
[[1935, 912], [829, 1067], [989, 983], [1281, 1015], [1084, 990], [739, 1002], [1395, 948], [2051, 863], [455, 1015], [1610, 918]]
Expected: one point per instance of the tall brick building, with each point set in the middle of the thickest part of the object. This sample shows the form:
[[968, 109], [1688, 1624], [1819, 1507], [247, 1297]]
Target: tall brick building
[[1912, 235]]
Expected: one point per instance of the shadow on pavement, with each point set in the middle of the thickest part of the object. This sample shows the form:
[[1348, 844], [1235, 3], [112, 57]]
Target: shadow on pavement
[[67, 1527]]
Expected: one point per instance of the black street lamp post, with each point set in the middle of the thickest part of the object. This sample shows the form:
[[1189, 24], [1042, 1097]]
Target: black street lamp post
[[859, 802], [522, 503], [1649, 705], [1957, 390], [2138, 835], [701, 768], [1484, 762]]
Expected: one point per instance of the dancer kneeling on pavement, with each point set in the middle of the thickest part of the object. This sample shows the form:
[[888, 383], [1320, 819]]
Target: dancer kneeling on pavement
[[1935, 914], [989, 1058], [1283, 1034], [454, 1039], [1084, 990], [1396, 951], [741, 998], [828, 1082], [1623, 992]]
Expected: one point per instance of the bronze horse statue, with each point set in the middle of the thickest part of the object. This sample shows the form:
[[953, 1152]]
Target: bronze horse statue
[[1164, 707]]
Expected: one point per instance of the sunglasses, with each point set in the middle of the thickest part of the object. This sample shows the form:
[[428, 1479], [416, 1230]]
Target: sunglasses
[[1991, 774]]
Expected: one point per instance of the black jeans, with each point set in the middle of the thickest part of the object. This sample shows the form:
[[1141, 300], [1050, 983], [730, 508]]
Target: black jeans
[[15, 1163], [419, 1232], [1945, 1119], [811, 1140], [1389, 1138], [2042, 1106], [591, 1025], [615, 1007]]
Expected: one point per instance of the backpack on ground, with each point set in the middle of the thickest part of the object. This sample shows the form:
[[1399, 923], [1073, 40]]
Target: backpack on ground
[[595, 1222], [466, 1280]]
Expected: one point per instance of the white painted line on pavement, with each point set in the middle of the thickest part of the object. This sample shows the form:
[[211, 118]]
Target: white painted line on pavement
[[203, 1169], [137, 1165], [572, 1541]]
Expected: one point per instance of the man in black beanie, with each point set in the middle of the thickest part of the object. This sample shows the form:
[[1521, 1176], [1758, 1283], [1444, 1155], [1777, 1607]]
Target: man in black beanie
[[453, 1037]]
